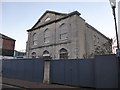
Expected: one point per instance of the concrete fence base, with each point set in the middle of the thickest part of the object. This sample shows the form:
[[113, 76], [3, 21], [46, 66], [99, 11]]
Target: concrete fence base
[[46, 72]]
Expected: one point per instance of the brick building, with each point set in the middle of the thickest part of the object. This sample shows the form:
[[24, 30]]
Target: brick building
[[7, 45], [62, 35]]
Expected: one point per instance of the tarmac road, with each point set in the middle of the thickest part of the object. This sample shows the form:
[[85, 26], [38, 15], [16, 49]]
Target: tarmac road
[[7, 86]]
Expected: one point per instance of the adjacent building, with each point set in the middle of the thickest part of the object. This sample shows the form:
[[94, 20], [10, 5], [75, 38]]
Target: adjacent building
[[65, 36], [7, 45], [19, 54]]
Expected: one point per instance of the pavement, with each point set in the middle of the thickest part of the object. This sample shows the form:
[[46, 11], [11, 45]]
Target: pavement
[[28, 84], [7, 87]]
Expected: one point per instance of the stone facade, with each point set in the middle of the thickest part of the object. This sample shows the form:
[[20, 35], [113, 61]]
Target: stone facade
[[56, 33]]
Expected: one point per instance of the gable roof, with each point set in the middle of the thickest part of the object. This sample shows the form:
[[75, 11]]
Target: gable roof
[[53, 12], [57, 13], [6, 37]]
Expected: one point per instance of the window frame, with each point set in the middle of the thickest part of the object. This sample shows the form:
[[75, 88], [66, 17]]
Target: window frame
[[63, 32], [33, 54], [63, 53], [47, 36], [34, 37], [47, 19]]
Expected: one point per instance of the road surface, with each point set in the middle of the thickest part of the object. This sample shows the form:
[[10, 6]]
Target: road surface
[[4, 86]]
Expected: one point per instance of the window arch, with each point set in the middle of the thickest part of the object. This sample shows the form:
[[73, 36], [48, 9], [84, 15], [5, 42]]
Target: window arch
[[63, 53], [47, 19], [33, 55], [63, 31], [34, 39], [46, 53], [47, 36]]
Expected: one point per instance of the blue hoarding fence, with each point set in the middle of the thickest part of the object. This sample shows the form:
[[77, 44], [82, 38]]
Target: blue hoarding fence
[[101, 72]]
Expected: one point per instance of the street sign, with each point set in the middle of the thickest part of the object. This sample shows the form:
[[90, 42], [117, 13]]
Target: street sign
[[118, 52]]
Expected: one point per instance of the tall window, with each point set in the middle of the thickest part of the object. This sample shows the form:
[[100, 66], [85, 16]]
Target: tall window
[[63, 54], [47, 36], [33, 55], [34, 39], [63, 32]]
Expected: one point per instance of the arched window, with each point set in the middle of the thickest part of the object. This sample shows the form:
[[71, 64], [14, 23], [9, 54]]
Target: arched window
[[33, 55], [63, 54], [47, 36], [63, 31], [34, 39], [46, 53], [47, 19]]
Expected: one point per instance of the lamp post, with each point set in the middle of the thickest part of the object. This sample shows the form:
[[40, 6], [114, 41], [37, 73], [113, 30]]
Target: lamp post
[[113, 5]]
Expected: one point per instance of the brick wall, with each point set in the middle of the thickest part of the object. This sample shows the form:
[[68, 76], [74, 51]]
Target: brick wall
[[8, 47]]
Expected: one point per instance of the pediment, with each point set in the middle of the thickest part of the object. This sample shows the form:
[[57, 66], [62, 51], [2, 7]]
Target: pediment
[[48, 16]]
